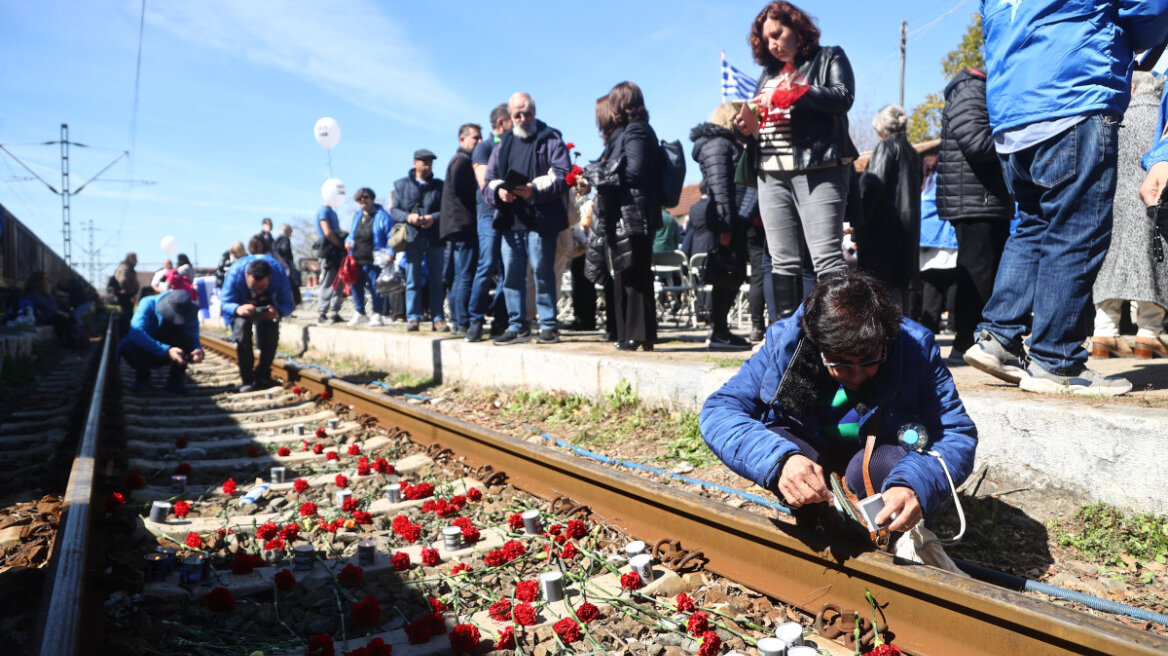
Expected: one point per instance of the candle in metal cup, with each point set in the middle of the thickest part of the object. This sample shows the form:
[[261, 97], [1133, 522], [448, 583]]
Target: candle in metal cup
[[634, 548], [642, 564], [178, 483], [366, 552], [452, 538], [298, 429], [193, 569], [333, 423], [278, 474], [531, 523], [341, 496], [155, 566], [303, 557], [393, 492], [171, 556], [791, 633], [552, 584], [772, 647], [268, 395], [158, 512], [801, 650]]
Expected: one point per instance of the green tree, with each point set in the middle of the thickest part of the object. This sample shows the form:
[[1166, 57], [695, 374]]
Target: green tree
[[924, 122]]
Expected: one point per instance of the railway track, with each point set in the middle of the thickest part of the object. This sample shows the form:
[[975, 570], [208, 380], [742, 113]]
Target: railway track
[[217, 435]]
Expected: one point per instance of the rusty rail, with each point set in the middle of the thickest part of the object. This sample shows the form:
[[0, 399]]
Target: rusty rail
[[932, 612]]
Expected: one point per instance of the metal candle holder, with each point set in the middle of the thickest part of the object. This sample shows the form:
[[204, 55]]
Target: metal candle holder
[[159, 511], [772, 647], [303, 557], [531, 523], [366, 552], [791, 633], [333, 423], [341, 496], [154, 566], [642, 564], [452, 538], [635, 548], [552, 584], [278, 474], [193, 569], [393, 492], [178, 483]]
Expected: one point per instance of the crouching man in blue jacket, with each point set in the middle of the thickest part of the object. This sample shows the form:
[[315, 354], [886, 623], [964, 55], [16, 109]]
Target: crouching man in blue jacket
[[844, 367]]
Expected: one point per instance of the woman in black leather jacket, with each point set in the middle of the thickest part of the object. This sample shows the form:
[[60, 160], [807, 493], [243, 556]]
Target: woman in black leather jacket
[[801, 151], [626, 212]]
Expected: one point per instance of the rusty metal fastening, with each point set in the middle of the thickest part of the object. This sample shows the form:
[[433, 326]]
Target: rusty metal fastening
[[669, 553], [438, 452], [489, 476], [568, 507], [832, 622]]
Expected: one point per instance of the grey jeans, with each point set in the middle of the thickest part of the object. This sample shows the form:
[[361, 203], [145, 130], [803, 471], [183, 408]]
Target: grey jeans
[[804, 205], [329, 298]]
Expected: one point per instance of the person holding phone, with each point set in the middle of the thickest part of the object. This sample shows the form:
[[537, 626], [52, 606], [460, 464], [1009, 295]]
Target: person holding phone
[[163, 333], [256, 293]]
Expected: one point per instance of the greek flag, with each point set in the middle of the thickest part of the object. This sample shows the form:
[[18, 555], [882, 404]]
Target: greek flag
[[736, 85]]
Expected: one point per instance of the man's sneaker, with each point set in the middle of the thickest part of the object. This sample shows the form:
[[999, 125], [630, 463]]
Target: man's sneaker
[[322, 320], [508, 338], [265, 383], [727, 342], [524, 332], [376, 320], [457, 331], [757, 334], [1087, 382], [990, 356], [356, 320], [956, 358], [474, 332], [439, 326], [548, 337], [412, 326], [336, 318]]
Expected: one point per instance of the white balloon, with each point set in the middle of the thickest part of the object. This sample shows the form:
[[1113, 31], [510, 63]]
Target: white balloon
[[332, 192], [327, 132], [169, 245]]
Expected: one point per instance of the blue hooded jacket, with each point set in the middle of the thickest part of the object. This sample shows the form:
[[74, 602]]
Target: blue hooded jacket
[[381, 225], [235, 291], [147, 322], [744, 424], [1050, 59]]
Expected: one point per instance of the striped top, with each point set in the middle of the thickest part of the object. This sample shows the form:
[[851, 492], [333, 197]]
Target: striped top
[[776, 152]]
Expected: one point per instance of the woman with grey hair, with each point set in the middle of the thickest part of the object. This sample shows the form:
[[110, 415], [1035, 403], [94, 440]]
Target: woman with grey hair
[[1130, 270], [888, 237]]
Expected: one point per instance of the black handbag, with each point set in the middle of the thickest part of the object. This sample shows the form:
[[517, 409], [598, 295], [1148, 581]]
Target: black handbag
[[605, 174]]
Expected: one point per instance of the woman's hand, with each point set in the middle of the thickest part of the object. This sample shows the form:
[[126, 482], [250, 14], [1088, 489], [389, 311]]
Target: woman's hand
[[901, 506], [1154, 184], [747, 122], [801, 482]]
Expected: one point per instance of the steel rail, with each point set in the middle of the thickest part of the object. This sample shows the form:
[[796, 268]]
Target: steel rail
[[932, 612], [64, 615]]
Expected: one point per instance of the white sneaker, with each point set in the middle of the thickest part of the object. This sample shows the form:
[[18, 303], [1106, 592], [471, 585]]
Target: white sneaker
[[376, 320], [1087, 382], [357, 320]]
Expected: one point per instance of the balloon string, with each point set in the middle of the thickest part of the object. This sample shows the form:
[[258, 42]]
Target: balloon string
[[330, 156]]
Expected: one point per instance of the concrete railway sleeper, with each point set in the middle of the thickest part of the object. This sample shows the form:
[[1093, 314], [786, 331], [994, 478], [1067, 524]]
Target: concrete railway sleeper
[[324, 515]]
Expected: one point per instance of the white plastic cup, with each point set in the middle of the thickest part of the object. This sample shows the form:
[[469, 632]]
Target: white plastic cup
[[531, 523], [772, 647], [634, 548], [452, 538], [642, 564], [552, 584], [791, 633], [278, 474], [159, 511], [393, 492], [801, 650], [342, 495]]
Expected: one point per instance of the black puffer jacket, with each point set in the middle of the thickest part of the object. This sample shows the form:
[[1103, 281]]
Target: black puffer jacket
[[970, 185], [819, 119], [460, 192], [716, 151]]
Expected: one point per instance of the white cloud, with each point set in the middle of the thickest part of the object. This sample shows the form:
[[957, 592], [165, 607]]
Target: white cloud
[[351, 50]]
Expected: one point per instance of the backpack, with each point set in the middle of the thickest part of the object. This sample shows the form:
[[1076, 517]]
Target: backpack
[[672, 172]]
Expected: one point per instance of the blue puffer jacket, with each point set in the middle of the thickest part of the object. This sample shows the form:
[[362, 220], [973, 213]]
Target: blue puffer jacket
[[381, 225], [1049, 59], [744, 424], [147, 325], [236, 293], [1159, 152], [409, 198]]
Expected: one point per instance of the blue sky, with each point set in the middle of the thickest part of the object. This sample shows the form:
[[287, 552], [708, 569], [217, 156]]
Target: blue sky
[[229, 92]]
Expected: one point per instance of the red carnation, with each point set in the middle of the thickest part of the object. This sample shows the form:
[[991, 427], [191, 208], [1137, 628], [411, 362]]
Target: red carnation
[[181, 508], [410, 533], [527, 590], [587, 612], [458, 501], [354, 450], [283, 451], [362, 517], [524, 614], [267, 531], [382, 466], [506, 638], [290, 532], [367, 611], [464, 638], [296, 390], [418, 632], [321, 432], [229, 486], [194, 541], [220, 600], [470, 534], [436, 605], [885, 650], [568, 630], [377, 647], [711, 644], [569, 145], [253, 452], [416, 492], [350, 504], [513, 549], [245, 563], [180, 442], [351, 574], [274, 545], [459, 569], [182, 469], [320, 645], [494, 558], [401, 561], [576, 529], [555, 529], [332, 455], [303, 445], [560, 539], [341, 480], [474, 494], [363, 468], [573, 175], [307, 509], [326, 395], [500, 610], [569, 552], [631, 581], [515, 522], [684, 603], [284, 580], [318, 448], [300, 485], [133, 481], [114, 501], [698, 623], [430, 557]]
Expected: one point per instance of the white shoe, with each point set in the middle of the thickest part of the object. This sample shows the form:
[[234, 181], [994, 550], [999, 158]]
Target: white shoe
[[376, 320], [357, 319]]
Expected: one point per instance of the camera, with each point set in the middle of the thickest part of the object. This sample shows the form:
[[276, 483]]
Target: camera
[[260, 309], [869, 507]]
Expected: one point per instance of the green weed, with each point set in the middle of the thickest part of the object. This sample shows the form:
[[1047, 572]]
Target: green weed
[[622, 396], [1104, 534]]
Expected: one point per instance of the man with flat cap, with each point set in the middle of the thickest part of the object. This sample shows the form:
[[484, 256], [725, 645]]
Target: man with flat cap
[[417, 201], [164, 331]]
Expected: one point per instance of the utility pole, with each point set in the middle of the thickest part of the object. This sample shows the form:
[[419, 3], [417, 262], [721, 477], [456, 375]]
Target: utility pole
[[903, 47], [66, 218]]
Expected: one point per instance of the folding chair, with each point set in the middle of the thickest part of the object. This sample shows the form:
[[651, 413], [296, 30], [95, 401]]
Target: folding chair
[[673, 287], [701, 291]]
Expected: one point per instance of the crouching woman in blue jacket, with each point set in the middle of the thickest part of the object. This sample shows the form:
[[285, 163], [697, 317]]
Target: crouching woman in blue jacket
[[844, 367]]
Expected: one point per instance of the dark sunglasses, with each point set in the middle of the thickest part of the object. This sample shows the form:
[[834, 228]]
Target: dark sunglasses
[[361, 198], [857, 365]]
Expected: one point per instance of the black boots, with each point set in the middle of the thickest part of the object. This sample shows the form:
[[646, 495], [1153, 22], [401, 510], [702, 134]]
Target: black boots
[[788, 292]]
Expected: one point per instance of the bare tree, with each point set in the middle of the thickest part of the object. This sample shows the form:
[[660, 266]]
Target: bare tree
[[860, 126]]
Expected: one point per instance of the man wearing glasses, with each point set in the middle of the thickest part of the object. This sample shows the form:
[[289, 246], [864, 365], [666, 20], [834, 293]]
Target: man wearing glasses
[[829, 392], [525, 185]]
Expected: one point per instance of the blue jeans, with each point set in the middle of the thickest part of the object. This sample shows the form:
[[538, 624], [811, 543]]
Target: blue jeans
[[518, 247], [367, 277], [1064, 187], [424, 265], [466, 258], [489, 260]]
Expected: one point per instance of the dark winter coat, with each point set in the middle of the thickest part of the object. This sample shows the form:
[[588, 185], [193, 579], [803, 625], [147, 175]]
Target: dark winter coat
[[819, 119], [547, 210], [699, 238], [459, 197], [716, 151], [630, 208], [888, 240], [408, 199], [970, 185]]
